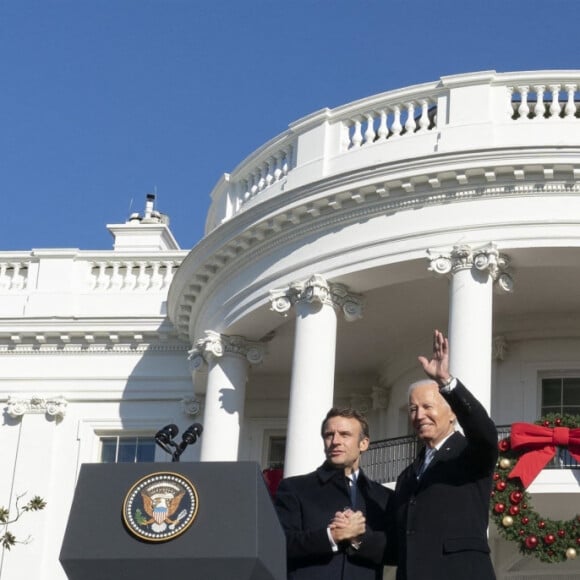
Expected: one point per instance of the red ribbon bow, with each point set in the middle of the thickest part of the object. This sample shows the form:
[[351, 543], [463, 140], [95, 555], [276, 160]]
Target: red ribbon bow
[[539, 444]]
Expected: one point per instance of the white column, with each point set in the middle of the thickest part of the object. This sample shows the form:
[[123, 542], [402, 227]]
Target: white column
[[473, 272], [312, 383], [228, 358], [33, 475]]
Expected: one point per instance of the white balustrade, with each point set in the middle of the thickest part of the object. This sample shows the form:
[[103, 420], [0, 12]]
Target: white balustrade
[[393, 120], [547, 104], [310, 149], [13, 276], [129, 275]]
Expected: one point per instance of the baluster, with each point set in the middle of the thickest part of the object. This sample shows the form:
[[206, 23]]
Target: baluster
[[116, 279], [357, 134], [370, 130], [555, 105], [254, 187], [102, 278], [168, 273], [539, 109], [262, 178], [17, 279], [524, 108], [25, 278], [286, 163], [270, 164], [4, 280], [142, 277], [396, 127], [278, 167], [91, 276], [510, 101], [156, 279], [344, 136], [424, 120], [410, 122], [570, 109], [130, 278], [383, 129], [246, 188]]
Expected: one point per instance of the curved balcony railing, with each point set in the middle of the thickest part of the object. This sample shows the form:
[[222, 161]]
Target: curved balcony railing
[[385, 459], [468, 111]]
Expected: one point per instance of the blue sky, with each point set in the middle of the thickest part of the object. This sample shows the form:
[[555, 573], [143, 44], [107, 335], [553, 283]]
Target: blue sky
[[103, 101]]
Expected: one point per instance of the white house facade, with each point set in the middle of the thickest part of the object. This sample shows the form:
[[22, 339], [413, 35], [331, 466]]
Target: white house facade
[[330, 255]]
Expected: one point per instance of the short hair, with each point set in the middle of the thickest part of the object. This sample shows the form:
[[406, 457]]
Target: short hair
[[420, 383], [348, 413]]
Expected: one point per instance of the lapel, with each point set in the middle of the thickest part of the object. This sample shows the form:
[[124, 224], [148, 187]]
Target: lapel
[[448, 450]]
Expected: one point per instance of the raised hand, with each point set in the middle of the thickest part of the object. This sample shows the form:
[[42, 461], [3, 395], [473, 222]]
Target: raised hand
[[438, 367]]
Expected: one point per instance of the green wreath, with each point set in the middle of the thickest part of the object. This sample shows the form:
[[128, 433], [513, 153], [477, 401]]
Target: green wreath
[[511, 508]]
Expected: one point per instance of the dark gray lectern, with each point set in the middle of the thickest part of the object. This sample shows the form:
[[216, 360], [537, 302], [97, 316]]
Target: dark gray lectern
[[235, 534]]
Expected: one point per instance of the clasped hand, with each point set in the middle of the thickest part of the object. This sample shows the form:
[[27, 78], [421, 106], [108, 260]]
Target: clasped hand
[[347, 525]]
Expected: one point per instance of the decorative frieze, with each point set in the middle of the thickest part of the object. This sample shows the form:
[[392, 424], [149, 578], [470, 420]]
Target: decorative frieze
[[317, 290], [214, 344], [465, 257], [50, 406]]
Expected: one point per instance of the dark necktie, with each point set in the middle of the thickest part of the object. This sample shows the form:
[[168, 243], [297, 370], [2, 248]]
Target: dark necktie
[[429, 453], [352, 489]]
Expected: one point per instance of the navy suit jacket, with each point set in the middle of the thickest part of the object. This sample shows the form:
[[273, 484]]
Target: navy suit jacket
[[442, 519], [306, 504]]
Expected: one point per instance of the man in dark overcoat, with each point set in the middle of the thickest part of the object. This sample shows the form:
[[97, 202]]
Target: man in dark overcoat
[[335, 518], [442, 499]]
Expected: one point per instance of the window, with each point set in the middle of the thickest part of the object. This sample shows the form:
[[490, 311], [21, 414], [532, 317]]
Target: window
[[561, 395], [121, 449], [276, 451]]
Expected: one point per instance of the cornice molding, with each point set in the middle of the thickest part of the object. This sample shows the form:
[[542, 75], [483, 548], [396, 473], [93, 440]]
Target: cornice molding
[[298, 215]]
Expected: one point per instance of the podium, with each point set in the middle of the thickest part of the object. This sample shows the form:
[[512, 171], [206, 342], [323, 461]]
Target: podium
[[228, 530]]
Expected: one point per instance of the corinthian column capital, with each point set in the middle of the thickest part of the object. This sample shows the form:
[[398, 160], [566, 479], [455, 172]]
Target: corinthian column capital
[[217, 345], [317, 290], [465, 257]]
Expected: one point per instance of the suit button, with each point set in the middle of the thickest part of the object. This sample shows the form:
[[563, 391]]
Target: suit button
[[410, 532], [412, 501]]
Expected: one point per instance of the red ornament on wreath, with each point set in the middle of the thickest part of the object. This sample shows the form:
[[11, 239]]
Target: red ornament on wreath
[[499, 508], [531, 542], [521, 457]]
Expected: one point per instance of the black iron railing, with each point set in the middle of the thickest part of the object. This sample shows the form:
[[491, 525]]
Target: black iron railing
[[385, 459]]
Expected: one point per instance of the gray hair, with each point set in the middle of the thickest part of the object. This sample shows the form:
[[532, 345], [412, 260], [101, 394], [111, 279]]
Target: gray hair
[[420, 383]]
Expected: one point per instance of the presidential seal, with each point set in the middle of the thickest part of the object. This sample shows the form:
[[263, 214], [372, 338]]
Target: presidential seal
[[160, 507]]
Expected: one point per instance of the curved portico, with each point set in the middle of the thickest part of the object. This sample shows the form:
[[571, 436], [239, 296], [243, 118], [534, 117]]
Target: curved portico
[[427, 203]]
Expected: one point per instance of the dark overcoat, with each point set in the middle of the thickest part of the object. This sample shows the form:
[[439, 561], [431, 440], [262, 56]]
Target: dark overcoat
[[306, 504], [442, 519]]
